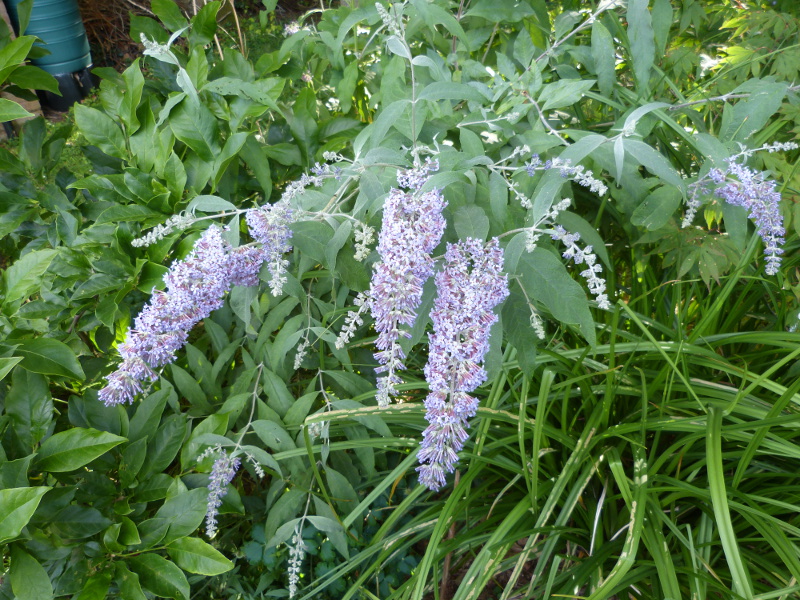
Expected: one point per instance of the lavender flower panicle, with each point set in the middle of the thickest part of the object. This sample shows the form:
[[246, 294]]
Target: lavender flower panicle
[[597, 285], [469, 287], [412, 227], [269, 225], [752, 191], [739, 185], [222, 473], [578, 173], [196, 286]]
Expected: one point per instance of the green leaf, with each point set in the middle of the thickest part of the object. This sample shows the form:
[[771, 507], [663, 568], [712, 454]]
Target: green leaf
[[662, 22], [16, 51], [128, 583], [750, 115], [29, 580], [204, 25], [195, 126], [10, 111], [24, 277], [273, 435], [99, 129], [71, 449], [49, 357], [604, 58], [312, 238], [17, 506], [78, 522], [546, 280], [450, 90], [96, 587], [657, 208], [471, 222], [196, 556], [34, 78], [643, 48], [178, 517], [500, 12], [655, 162], [564, 92], [169, 14], [160, 576], [29, 406]]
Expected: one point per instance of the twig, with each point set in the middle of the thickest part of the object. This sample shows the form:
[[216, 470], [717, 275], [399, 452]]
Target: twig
[[723, 97], [451, 533]]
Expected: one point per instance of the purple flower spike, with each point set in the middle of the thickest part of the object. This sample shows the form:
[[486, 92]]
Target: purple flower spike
[[222, 473], [196, 286], [412, 227], [469, 287], [269, 225], [758, 196]]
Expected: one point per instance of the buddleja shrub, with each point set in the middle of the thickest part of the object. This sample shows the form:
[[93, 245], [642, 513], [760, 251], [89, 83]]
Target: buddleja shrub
[[437, 221]]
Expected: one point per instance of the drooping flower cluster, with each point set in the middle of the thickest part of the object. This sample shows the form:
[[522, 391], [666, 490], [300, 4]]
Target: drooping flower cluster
[[469, 287], [297, 552], [739, 185], [412, 227], [269, 225], [584, 256], [578, 173], [195, 286], [222, 473]]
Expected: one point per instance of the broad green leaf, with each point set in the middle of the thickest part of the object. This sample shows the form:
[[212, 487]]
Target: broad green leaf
[[546, 280], [164, 445], [209, 204], [312, 238], [29, 406], [29, 580], [160, 576], [17, 506], [169, 14], [604, 58], [71, 449], [49, 357], [640, 34], [99, 129], [749, 115], [96, 587], [10, 111], [564, 92], [128, 583], [195, 126], [15, 51], [655, 162], [451, 90], [79, 522], [273, 435], [500, 12], [204, 25], [24, 277], [471, 222], [662, 22], [657, 208], [178, 517], [196, 556]]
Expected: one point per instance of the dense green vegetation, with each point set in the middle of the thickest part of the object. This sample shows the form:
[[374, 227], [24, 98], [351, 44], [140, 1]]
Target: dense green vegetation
[[639, 405]]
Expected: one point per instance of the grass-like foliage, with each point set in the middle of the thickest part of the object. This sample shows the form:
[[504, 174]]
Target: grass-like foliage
[[427, 300]]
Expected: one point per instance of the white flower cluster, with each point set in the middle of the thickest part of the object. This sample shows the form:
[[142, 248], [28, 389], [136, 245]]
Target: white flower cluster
[[179, 221]]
